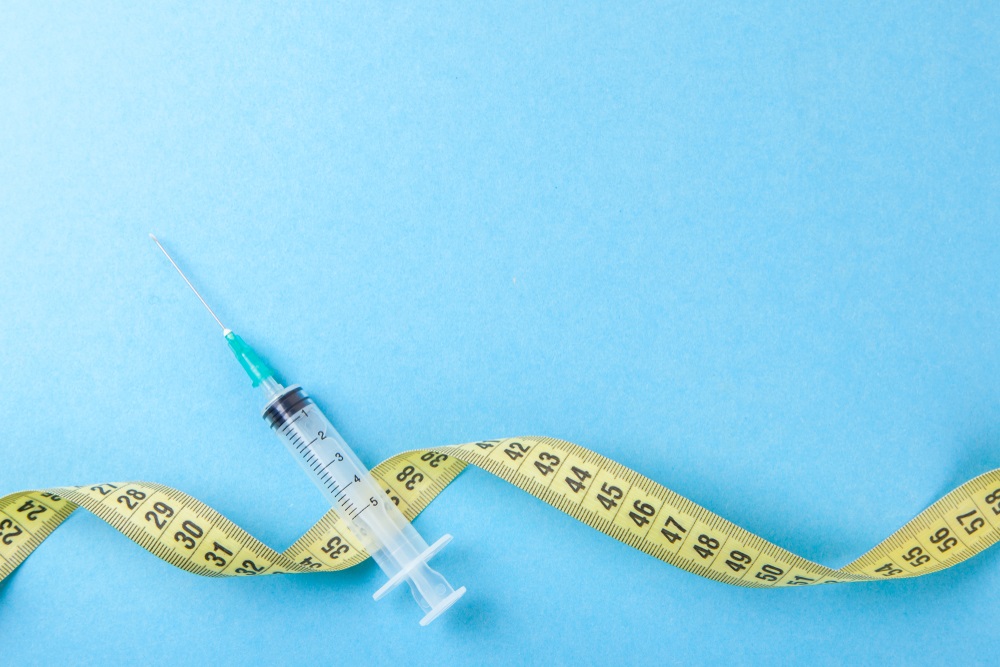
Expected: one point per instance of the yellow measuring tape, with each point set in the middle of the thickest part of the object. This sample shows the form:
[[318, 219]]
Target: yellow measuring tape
[[589, 487]]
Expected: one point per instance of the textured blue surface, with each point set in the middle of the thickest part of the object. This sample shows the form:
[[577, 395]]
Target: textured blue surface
[[751, 253]]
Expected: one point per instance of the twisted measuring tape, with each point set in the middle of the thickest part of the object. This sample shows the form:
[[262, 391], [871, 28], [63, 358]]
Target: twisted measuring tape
[[599, 492]]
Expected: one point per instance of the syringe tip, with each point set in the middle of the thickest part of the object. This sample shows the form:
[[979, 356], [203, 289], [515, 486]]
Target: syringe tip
[[225, 330]]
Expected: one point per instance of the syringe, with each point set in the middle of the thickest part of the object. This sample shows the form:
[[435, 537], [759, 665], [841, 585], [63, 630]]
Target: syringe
[[377, 523]]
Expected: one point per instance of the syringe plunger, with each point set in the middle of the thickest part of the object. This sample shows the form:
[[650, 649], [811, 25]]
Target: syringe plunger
[[373, 519]]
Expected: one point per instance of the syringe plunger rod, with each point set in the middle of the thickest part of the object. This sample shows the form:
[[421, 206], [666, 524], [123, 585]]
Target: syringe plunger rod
[[373, 519]]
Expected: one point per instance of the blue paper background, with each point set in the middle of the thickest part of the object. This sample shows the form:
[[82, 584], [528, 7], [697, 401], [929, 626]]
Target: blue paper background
[[748, 251]]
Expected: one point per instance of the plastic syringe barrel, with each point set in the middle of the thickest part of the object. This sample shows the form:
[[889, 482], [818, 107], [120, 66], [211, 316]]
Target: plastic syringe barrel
[[373, 519]]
